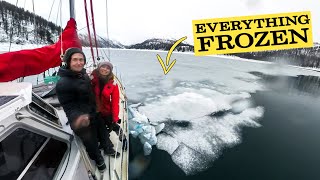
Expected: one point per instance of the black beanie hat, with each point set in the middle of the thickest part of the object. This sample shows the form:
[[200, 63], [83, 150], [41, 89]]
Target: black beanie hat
[[69, 52]]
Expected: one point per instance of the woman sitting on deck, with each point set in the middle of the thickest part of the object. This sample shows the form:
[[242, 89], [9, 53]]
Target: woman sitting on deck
[[107, 99]]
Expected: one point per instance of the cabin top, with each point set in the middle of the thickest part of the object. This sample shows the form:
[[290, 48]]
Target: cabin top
[[14, 96]]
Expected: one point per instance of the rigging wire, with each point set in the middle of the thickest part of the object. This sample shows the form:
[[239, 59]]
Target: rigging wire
[[80, 29], [34, 36], [10, 36], [107, 27], [49, 15], [46, 30], [50, 11], [61, 40], [58, 15], [88, 28], [94, 29], [103, 49], [34, 22], [11, 29]]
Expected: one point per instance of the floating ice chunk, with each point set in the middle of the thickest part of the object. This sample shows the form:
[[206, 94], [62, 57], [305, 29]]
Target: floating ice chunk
[[136, 116], [147, 148], [159, 127], [140, 127]]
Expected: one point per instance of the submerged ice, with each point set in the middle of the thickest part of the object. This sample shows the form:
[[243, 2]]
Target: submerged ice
[[199, 123]]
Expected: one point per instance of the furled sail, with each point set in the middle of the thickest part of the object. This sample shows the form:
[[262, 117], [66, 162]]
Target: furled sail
[[35, 61]]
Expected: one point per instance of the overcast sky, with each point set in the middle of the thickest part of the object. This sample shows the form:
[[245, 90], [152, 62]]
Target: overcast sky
[[134, 21]]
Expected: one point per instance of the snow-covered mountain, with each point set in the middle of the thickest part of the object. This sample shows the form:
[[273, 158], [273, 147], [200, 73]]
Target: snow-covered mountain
[[22, 27], [161, 44], [102, 42]]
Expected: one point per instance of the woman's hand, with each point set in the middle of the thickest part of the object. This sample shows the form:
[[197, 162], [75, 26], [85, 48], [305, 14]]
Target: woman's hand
[[113, 125]]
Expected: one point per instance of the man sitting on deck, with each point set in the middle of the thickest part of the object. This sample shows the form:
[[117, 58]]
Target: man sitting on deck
[[76, 97]]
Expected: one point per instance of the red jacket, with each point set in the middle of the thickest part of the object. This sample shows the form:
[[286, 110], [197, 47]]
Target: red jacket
[[108, 104]]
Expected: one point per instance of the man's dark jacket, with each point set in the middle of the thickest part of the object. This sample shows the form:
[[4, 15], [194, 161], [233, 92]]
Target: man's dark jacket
[[75, 94]]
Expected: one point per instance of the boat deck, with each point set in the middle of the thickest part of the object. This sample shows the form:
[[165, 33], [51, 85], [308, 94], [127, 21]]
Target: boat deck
[[117, 168]]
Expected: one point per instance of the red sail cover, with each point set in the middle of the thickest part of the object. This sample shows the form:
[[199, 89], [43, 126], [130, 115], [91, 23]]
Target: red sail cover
[[35, 61]]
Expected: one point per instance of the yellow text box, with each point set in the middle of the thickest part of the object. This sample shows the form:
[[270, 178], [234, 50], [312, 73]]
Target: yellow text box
[[252, 33]]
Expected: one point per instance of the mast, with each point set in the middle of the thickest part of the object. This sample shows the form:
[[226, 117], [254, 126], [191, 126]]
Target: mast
[[71, 6]]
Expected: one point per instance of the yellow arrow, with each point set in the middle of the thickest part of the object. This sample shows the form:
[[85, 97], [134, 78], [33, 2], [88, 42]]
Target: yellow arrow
[[164, 67]]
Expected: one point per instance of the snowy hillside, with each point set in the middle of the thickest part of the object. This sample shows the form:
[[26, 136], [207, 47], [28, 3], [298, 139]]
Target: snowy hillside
[[22, 26], [102, 42], [161, 44]]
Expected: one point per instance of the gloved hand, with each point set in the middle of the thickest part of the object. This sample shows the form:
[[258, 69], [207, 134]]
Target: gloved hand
[[112, 126]]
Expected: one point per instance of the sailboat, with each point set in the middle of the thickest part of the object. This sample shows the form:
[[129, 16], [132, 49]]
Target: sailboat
[[35, 140]]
